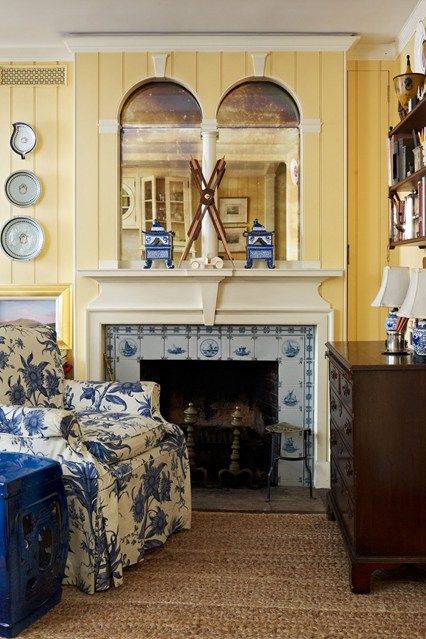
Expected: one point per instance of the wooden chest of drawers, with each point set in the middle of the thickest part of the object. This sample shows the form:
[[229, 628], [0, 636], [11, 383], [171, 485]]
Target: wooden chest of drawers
[[378, 457]]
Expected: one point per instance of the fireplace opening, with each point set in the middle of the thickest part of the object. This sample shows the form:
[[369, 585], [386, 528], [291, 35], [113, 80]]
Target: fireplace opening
[[215, 388]]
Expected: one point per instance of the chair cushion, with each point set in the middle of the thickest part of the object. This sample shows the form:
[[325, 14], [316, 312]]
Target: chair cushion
[[113, 437], [31, 371]]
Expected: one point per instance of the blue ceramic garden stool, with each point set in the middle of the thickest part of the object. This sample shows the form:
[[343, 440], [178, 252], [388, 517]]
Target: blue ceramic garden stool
[[277, 431], [33, 539]]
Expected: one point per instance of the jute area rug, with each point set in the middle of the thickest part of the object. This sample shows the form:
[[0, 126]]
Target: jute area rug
[[238, 575]]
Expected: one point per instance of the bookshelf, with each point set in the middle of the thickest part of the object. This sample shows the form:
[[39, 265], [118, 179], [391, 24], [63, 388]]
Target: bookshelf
[[407, 180]]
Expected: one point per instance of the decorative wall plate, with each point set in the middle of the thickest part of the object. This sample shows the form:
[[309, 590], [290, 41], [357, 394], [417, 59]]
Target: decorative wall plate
[[23, 139], [22, 188], [21, 238], [420, 49]]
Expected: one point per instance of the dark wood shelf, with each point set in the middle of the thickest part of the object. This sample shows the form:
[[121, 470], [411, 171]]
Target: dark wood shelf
[[414, 120], [415, 241], [408, 183]]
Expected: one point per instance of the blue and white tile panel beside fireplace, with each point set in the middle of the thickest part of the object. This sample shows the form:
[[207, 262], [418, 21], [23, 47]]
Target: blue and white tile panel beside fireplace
[[293, 347]]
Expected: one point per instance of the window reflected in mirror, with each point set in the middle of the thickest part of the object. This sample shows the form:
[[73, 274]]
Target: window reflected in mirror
[[259, 136], [258, 123]]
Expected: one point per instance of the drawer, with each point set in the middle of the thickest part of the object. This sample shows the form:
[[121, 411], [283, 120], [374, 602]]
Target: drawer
[[342, 458], [341, 382], [341, 419], [343, 502]]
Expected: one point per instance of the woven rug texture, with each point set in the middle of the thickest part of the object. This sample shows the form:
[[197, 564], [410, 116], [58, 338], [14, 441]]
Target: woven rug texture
[[248, 576]]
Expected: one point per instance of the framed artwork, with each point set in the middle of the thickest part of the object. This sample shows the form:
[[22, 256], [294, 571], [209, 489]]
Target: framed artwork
[[235, 238], [43, 304], [233, 210]]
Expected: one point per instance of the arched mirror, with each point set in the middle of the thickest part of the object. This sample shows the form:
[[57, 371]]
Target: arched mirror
[[160, 131], [259, 136]]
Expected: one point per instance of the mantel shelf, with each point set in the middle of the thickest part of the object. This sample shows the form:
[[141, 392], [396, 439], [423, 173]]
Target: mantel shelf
[[208, 274]]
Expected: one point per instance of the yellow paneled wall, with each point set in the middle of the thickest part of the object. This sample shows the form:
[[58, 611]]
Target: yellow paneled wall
[[49, 110], [103, 81], [370, 106]]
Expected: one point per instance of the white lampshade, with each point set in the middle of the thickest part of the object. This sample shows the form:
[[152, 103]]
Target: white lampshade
[[394, 286], [414, 304]]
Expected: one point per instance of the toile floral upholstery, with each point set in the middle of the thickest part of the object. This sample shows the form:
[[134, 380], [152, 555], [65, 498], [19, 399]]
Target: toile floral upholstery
[[125, 469]]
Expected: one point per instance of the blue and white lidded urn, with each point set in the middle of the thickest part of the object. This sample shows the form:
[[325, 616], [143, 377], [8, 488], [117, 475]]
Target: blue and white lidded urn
[[158, 245]]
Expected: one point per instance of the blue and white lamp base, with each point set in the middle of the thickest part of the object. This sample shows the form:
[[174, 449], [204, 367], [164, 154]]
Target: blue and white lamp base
[[419, 338]]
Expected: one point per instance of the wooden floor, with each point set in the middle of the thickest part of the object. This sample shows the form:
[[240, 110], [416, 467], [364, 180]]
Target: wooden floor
[[283, 500]]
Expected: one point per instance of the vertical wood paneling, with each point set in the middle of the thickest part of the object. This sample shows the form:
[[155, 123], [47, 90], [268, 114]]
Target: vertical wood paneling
[[65, 177], [87, 161], [184, 69], [307, 83], [208, 82], [332, 159], [283, 68], [353, 141], [367, 172], [50, 111], [23, 110], [332, 177], [233, 69], [110, 93], [5, 169], [45, 163], [135, 69]]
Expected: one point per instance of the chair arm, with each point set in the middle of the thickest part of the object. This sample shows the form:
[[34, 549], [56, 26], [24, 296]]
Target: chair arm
[[38, 421], [142, 398], [50, 432]]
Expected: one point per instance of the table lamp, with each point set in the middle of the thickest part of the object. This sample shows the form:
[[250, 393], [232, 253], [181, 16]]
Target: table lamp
[[392, 292], [414, 305]]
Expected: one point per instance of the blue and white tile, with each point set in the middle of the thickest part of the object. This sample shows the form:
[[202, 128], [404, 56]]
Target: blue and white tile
[[151, 329], [128, 347], [127, 370], [292, 347], [209, 347], [292, 445], [152, 346], [176, 346], [267, 347], [242, 347], [290, 473]]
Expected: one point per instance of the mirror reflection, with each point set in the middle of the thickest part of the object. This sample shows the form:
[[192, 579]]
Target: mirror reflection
[[259, 137]]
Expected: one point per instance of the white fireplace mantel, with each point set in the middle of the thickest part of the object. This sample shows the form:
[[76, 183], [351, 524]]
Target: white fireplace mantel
[[286, 295], [204, 296]]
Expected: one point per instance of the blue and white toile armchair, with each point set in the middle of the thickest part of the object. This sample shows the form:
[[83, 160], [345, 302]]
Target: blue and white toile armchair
[[125, 468]]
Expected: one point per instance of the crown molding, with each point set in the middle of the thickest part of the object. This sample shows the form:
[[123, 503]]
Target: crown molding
[[373, 52], [417, 15], [35, 54], [109, 42]]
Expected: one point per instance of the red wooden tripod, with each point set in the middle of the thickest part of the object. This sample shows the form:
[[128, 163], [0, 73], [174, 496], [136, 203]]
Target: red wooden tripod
[[207, 203]]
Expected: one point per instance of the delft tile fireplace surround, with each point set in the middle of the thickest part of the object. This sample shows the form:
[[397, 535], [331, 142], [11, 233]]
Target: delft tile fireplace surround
[[291, 347], [229, 314]]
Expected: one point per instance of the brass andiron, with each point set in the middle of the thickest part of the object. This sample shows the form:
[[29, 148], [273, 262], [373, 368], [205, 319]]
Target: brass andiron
[[191, 415], [234, 475], [407, 86]]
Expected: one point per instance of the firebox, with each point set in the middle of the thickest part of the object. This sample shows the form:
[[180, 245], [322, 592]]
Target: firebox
[[215, 389]]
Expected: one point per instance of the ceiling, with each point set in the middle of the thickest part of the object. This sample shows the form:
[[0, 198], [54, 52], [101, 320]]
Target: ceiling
[[45, 23]]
